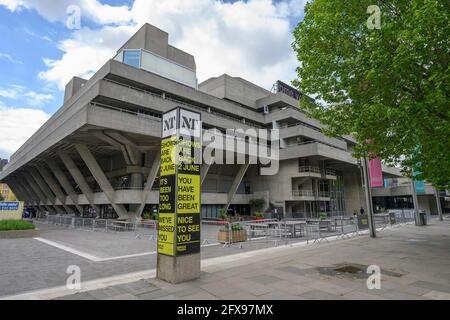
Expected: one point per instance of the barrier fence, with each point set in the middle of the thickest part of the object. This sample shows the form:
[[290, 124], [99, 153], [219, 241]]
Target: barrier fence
[[287, 231], [247, 232]]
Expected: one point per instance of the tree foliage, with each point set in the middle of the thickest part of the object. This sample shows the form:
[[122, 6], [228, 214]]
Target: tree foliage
[[389, 86]]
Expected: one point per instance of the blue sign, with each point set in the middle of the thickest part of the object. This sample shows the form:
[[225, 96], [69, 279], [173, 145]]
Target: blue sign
[[386, 183], [9, 206], [420, 184]]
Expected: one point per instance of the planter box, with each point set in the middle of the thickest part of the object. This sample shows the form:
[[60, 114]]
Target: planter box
[[236, 236], [16, 234]]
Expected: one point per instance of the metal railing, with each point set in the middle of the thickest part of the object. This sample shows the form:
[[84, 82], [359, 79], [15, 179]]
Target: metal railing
[[303, 193], [288, 231], [309, 169], [219, 114], [140, 228]]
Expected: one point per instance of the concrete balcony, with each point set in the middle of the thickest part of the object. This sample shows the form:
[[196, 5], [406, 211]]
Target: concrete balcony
[[330, 174], [310, 172], [316, 172], [303, 195], [310, 195]]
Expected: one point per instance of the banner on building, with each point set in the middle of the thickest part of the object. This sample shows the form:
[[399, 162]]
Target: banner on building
[[179, 199], [376, 173], [11, 210]]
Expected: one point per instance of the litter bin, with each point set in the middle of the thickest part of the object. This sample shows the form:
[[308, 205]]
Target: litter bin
[[423, 218]]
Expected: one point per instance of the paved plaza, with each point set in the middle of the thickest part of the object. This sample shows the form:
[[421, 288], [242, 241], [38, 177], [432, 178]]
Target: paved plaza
[[414, 262]]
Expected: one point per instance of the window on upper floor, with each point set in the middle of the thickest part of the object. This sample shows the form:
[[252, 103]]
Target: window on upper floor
[[132, 58]]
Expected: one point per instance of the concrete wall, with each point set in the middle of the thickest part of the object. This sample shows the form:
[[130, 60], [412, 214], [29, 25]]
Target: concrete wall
[[157, 41], [234, 89], [353, 192]]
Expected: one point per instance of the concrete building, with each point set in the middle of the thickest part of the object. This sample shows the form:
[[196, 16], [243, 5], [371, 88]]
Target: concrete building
[[3, 163], [397, 194], [6, 193], [98, 155]]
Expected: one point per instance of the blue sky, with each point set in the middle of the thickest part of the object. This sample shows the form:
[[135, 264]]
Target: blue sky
[[39, 54]]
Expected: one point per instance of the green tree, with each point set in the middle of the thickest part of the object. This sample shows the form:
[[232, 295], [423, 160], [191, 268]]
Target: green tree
[[1, 198], [386, 86], [257, 205]]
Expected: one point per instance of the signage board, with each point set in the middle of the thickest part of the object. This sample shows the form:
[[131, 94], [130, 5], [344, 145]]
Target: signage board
[[9, 206], [288, 90], [376, 173], [179, 199], [11, 210], [392, 218], [363, 222]]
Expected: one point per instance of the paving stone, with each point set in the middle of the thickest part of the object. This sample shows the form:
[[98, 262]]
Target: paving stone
[[320, 295], [264, 279], [437, 295], [432, 286]]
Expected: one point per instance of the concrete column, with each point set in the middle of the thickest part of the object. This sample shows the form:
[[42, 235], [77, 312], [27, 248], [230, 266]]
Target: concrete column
[[136, 180], [150, 181], [237, 181], [79, 179], [204, 172], [18, 193], [51, 199], [54, 186], [65, 183], [131, 150], [32, 185], [42, 185], [101, 179], [27, 191]]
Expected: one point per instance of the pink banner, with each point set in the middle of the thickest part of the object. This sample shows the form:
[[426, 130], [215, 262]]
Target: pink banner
[[376, 173]]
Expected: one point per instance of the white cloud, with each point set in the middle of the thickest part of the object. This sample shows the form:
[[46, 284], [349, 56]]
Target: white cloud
[[30, 97], [84, 53], [250, 39], [9, 58], [57, 10], [16, 126]]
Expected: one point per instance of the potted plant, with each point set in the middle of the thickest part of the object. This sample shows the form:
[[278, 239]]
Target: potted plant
[[257, 205], [223, 216], [259, 216], [323, 216], [232, 233], [146, 216]]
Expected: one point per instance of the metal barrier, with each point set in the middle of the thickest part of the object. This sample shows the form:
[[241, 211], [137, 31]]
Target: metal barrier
[[146, 229], [288, 231]]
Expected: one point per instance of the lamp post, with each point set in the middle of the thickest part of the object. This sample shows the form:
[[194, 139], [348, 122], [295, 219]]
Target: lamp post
[[438, 203], [417, 218], [368, 193]]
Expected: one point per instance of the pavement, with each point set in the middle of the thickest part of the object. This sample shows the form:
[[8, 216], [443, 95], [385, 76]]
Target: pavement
[[40, 263], [414, 263]]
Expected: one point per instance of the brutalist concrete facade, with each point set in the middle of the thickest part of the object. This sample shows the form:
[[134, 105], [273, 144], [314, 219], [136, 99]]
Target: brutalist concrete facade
[[98, 154]]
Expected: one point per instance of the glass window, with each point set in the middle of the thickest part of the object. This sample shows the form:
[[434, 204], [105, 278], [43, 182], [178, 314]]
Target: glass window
[[132, 58]]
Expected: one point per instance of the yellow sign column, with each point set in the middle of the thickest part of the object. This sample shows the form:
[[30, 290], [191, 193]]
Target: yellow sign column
[[179, 199]]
